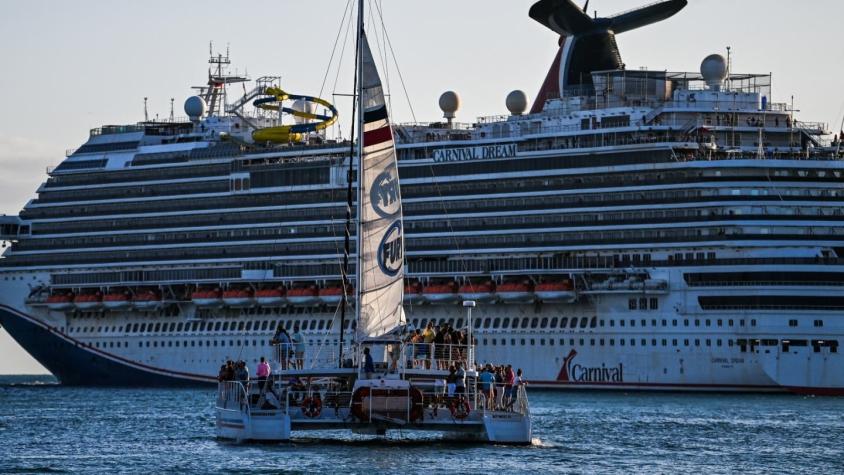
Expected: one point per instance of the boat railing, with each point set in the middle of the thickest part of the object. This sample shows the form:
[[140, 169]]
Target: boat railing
[[504, 398], [231, 395], [312, 357], [439, 356]]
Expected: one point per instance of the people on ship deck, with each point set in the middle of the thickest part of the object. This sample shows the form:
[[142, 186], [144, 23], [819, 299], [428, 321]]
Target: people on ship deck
[[241, 372], [451, 381], [487, 380], [263, 371], [368, 364], [460, 378], [282, 339]]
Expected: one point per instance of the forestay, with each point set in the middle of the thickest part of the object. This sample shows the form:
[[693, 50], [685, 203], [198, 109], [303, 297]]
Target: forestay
[[380, 241]]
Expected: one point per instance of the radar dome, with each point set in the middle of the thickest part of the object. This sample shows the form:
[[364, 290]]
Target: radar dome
[[714, 71], [517, 102], [449, 104], [195, 107]]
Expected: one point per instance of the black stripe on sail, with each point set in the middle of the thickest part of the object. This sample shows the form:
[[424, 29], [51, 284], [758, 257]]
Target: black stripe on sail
[[374, 115]]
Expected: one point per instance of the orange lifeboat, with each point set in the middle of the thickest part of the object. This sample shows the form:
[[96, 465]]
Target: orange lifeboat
[[556, 292], [117, 300], [238, 297], [333, 295], [413, 293], [60, 302], [88, 301], [484, 292], [441, 293], [207, 297], [303, 295], [147, 300], [271, 297], [515, 292]]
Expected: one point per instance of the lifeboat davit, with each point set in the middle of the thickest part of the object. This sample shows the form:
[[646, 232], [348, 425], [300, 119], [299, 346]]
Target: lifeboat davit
[[441, 293], [556, 292], [413, 293], [147, 300], [88, 301], [303, 295], [238, 297], [117, 300], [515, 292], [484, 292], [207, 297], [60, 302], [271, 297], [332, 295]]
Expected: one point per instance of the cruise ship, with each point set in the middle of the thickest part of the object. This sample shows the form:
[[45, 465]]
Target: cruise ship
[[630, 229]]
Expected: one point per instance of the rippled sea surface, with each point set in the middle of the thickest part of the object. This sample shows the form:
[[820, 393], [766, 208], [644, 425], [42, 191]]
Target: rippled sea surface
[[49, 428]]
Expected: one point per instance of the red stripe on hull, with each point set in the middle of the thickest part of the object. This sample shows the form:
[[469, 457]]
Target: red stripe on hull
[[374, 137]]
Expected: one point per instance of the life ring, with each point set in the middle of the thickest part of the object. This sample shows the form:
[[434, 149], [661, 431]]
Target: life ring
[[459, 408], [312, 407]]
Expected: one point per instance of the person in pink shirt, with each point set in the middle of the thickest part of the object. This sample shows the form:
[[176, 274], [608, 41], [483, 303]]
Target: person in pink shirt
[[263, 371]]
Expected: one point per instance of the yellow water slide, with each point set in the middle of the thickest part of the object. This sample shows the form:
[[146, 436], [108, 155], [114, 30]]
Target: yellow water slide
[[294, 132]]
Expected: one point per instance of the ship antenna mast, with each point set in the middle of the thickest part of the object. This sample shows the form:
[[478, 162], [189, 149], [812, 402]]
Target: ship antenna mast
[[146, 111]]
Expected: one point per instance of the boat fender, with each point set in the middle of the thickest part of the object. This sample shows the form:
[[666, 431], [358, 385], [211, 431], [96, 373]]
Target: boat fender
[[460, 408], [312, 407]]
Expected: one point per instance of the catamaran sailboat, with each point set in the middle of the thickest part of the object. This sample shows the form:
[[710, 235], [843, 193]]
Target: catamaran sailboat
[[404, 390]]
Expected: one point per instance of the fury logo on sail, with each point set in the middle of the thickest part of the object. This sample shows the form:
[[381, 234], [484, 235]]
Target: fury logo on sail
[[575, 373], [391, 250], [384, 194]]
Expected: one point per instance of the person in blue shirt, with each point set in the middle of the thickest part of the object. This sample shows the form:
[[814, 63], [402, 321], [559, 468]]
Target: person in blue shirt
[[368, 365], [298, 342], [487, 380]]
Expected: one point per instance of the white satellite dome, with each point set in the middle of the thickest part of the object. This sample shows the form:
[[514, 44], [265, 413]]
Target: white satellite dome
[[449, 104], [195, 107], [714, 71], [517, 102]]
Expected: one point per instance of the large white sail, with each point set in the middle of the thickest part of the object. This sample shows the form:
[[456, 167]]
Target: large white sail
[[381, 238]]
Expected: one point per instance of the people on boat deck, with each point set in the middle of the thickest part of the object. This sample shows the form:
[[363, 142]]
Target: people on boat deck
[[487, 380], [226, 372], [514, 391], [461, 378], [509, 380], [298, 342], [241, 372], [451, 381], [282, 339], [263, 371], [428, 337], [368, 364]]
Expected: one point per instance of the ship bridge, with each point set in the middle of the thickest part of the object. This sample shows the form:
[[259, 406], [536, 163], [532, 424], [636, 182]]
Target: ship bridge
[[12, 228]]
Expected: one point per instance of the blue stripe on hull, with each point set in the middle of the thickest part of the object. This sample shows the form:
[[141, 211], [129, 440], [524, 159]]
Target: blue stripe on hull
[[74, 365]]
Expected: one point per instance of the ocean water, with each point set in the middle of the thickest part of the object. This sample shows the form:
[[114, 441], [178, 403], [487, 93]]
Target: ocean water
[[46, 428]]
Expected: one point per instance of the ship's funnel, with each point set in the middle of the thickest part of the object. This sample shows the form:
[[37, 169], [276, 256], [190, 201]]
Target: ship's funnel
[[588, 44]]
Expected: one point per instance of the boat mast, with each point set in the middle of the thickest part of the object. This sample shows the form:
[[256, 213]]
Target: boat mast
[[359, 138], [357, 121]]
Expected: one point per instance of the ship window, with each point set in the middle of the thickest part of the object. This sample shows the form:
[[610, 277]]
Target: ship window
[[632, 323], [180, 326], [544, 322], [631, 304], [415, 323], [459, 323], [487, 322], [523, 342], [496, 323], [525, 322], [753, 322], [612, 341], [157, 328], [585, 321], [622, 322], [674, 322], [654, 303], [143, 328], [818, 323], [534, 322], [155, 344], [685, 322], [573, 323], [632, 342], [478, 322], [697, 342], [644, 322], [249, 326], [173, 326], [664, 342], [643, 303], [673, 342], [313, 324], [792, 323], [505, 323], [685, 342], [581, 342], [708, 342], [240, 326], [664, 322], [571, 341], [601, 342], [718, 342], [697, 322], [553, 323], [226, 326], [730, 322], [741, 322], [169, 344], [563, 322], [321, 325]]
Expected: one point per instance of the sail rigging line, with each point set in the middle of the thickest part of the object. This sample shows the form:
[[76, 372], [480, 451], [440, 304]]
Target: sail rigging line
[[340, 67], [395, 61], [334, 48]]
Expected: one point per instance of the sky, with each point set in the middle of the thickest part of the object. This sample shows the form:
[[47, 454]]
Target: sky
[[69, 66]]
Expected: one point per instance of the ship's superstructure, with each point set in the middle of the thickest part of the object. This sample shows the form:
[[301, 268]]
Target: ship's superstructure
[[638, 229]]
